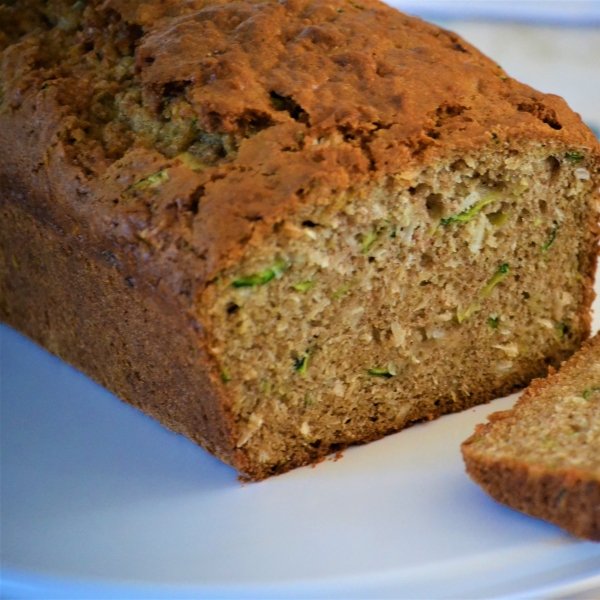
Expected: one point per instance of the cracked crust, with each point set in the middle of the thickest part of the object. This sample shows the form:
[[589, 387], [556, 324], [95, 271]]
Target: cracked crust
[[275, 78]]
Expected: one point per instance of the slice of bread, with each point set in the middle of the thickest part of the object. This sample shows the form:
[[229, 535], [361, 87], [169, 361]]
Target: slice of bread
[[543, 456]]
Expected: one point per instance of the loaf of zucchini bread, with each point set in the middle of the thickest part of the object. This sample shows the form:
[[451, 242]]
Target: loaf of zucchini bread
[[281, 228], [543, 456]]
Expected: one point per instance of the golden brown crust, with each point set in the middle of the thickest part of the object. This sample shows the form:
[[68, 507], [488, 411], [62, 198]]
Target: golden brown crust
[[361, 72], [337, 65], [569, 499]]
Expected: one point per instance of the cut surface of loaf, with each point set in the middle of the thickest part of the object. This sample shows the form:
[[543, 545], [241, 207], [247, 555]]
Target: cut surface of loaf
[[543, 456], [281, 228]]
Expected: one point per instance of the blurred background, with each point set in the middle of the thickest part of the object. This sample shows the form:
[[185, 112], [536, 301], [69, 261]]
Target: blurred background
[[553, 46]]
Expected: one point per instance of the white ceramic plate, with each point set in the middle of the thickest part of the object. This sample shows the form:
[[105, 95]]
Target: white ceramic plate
[[99, 500]]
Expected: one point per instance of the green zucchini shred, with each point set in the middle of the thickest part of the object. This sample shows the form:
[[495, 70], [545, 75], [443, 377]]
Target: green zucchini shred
[[377, 372], [263, 277], [340, 291], [494, 322], [225, 375], [368, 241], [575, 156], [551, 239], [471, 213], [151, 182], [561, 329], [473, 308], [587, 393], [301, 364], [498, 276], [304, 286]]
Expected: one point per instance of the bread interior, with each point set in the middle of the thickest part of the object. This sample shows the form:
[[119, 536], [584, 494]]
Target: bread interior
[[427, 293]]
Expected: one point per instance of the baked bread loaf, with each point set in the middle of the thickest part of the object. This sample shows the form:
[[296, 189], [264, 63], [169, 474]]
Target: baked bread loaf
[[281, 228], [543, 456]]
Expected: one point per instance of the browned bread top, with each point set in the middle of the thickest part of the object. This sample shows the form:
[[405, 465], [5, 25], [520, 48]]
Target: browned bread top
[[201, 125], [543, 456], [161, 162]]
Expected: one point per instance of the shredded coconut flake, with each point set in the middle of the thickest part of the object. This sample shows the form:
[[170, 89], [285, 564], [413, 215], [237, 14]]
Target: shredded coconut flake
[[398, 334], [511, 350], [503, 366], [254, 423], [338, 389]]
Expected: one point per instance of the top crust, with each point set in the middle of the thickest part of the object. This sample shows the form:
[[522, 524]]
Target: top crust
[[167, 141], [389, 92]]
